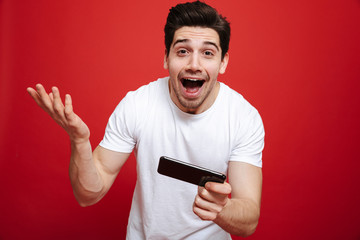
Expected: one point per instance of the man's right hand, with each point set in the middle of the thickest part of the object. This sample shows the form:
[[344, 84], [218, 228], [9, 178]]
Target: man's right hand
[[91, 173], [62, 114]]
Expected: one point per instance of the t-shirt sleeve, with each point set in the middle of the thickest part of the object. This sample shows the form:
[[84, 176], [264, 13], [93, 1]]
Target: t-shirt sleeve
[[120, 130], [249, 140]]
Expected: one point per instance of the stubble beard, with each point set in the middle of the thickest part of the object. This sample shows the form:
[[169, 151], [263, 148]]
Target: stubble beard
[[191, 105]]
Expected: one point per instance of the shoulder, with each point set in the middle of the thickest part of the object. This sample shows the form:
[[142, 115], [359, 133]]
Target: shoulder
[[152, 88], [236, 102], [145, 95], [244, 118], [246, 127], [133, 110]]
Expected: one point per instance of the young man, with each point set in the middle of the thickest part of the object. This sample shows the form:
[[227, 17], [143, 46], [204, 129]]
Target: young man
[[188, 116]]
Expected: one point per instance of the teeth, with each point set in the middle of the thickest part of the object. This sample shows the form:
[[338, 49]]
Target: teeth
[[194, 80]]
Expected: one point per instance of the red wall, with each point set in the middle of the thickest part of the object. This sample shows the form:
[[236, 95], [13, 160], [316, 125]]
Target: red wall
[[297, 62]]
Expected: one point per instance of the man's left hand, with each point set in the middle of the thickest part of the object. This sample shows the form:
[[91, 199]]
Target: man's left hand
[[211, 200]]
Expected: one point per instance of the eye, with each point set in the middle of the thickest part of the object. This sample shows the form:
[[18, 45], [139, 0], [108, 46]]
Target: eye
[[182, 52], [208, 53]]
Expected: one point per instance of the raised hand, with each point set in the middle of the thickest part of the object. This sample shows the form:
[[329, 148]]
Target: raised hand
[[62, 114]]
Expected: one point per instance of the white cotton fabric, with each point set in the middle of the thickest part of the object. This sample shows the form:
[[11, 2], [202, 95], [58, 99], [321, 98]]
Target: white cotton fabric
[[148, 122]]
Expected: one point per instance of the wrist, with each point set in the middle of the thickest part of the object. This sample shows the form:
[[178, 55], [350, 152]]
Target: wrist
[[80, 146], [79, 141]]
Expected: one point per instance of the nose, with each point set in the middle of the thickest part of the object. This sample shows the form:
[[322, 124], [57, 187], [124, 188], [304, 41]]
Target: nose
[[194, 63]]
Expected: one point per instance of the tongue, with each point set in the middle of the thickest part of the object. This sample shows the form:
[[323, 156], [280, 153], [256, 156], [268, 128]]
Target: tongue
[[192, 89], [192, 86]]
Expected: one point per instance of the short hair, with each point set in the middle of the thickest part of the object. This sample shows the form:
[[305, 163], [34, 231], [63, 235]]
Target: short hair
[[197, 14]]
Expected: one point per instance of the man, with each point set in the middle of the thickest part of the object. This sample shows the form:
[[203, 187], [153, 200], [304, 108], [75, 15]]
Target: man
[[188, 116]]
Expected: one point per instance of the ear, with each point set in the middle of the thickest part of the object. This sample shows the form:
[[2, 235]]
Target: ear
[[166, 65], [224, 63]]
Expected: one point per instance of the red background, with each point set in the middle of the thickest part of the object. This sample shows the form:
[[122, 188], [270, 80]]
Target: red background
[[297, 62]]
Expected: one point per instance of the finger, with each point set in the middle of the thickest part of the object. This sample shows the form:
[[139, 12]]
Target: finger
[[41, 90], [206, 195], [202, 192], [44, 98], [220, 188], [57, 103], [204, 214], [56, 94], [214, 197], [41, 101], [32, 92], [69, 113], [51, 96], [206, 205]]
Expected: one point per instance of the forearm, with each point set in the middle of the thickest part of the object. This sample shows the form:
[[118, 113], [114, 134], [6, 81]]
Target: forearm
[[239, 217], [85, 179], [84, 174]]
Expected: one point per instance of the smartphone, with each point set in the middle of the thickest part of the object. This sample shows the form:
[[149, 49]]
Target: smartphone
[[188, 172]]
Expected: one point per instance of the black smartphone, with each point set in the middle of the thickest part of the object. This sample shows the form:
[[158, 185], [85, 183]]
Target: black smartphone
[[188, 172]]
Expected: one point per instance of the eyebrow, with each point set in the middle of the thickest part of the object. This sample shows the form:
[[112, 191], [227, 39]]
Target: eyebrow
[[187, 40]]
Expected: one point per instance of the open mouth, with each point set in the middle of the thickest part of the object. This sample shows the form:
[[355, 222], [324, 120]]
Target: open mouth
[[192, 85]]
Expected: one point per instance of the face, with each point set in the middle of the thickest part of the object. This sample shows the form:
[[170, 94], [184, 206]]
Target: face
[[194, 62]]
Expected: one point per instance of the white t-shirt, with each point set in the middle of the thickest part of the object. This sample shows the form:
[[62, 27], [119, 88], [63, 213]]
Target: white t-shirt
[[148, 122]]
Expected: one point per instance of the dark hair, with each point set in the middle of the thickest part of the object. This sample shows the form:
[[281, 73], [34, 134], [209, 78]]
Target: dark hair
[[197, 14]]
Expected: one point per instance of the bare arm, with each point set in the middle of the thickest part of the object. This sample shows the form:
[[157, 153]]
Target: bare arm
[[239, 214], [91, 173]]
